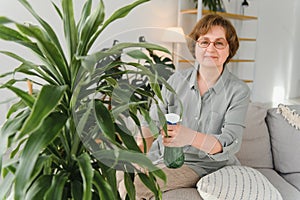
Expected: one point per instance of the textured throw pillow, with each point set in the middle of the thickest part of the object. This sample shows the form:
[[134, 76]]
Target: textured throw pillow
[[285, 140], [256, 147], [236, 183]]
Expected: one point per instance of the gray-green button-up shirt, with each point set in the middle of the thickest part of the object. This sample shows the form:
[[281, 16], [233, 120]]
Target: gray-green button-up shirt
[[220, 111]]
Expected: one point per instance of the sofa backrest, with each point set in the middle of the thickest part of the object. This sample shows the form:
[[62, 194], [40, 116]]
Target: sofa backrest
[[256, 147]]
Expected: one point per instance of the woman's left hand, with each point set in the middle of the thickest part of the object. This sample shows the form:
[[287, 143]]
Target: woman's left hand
[[178, 136]]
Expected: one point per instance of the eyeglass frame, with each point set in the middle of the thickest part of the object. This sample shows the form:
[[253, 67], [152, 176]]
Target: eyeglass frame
[[214, 43]]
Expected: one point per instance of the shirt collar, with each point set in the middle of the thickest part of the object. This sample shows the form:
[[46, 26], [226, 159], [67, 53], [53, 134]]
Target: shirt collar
[[219, 84]]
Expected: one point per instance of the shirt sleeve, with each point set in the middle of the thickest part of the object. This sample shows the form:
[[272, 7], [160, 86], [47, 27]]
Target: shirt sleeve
[[233, 127]]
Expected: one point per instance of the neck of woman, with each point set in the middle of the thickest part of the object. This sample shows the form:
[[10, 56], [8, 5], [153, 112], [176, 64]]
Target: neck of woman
[[207, 77]]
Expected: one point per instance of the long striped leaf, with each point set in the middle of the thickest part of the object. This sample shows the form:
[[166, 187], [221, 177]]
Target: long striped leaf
[[91, 25], [39, 188], [6, 185], [70, 28], [28, 67], [150, 183], [110, 175], [85, 13], [130, 188], [51, 53], [12, 35], [87, 173], [57, 187], [50, 94], [20, 105], [45, 25], [8, 129], [26, 98], [103, 188], [37, 141], [5, 20]]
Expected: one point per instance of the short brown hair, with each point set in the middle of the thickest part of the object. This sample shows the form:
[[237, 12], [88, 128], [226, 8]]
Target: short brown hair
[[206, 23]]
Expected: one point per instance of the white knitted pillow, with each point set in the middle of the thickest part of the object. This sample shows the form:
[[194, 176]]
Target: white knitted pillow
[[290, 115], [236, 183]]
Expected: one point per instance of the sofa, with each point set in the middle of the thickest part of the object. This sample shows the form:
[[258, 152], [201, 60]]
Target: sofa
[[270, 150]]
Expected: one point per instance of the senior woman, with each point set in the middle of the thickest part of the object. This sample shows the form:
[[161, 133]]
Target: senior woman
[[213, 103]]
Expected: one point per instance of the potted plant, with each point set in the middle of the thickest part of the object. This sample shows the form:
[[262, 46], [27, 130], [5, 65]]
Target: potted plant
[[213, 5], [68, 137]]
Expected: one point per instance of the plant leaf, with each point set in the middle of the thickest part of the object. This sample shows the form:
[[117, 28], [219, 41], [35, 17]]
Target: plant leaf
[[139, 55], [70, 28], [76, 190], [124, 156], [130, 188], [57, 187], [5, 20], [8, 129], [103, 187], [50, 52], [127, 139], [50, 94], [37, 141], [89, 28], [39, 187], [45, 25], [10, 34], [87, 174], [26, 98], [85, 13], [151, 184], [15, 107], [6, 185], [104, 120]]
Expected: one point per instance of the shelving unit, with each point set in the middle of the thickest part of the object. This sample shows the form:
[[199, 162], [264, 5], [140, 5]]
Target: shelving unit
[[238, 60]]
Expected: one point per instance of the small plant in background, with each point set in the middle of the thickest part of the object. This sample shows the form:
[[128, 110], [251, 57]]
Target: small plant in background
[[213, 5]]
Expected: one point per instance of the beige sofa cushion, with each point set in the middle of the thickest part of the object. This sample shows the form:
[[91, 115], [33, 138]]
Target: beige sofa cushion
[[256, 149]]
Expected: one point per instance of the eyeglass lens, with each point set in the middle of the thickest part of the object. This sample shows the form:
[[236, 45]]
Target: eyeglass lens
[[218, 44]]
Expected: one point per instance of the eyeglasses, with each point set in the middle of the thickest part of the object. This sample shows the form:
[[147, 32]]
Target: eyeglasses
[[218, 44]]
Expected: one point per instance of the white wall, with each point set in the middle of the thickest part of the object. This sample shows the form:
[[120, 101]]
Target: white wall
[[277, 74]]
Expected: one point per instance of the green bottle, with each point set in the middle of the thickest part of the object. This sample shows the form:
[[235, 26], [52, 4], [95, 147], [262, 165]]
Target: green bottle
[[173, 156]]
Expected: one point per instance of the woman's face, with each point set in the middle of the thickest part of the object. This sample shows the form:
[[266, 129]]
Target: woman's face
[[212, 48]]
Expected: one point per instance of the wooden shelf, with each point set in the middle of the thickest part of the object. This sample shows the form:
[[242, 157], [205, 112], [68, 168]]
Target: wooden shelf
[[224, 14], [241, 60], [232, 60], [247, 39], [247, 81]]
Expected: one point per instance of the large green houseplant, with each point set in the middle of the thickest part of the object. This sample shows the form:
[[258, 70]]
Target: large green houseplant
[[68, 138]]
